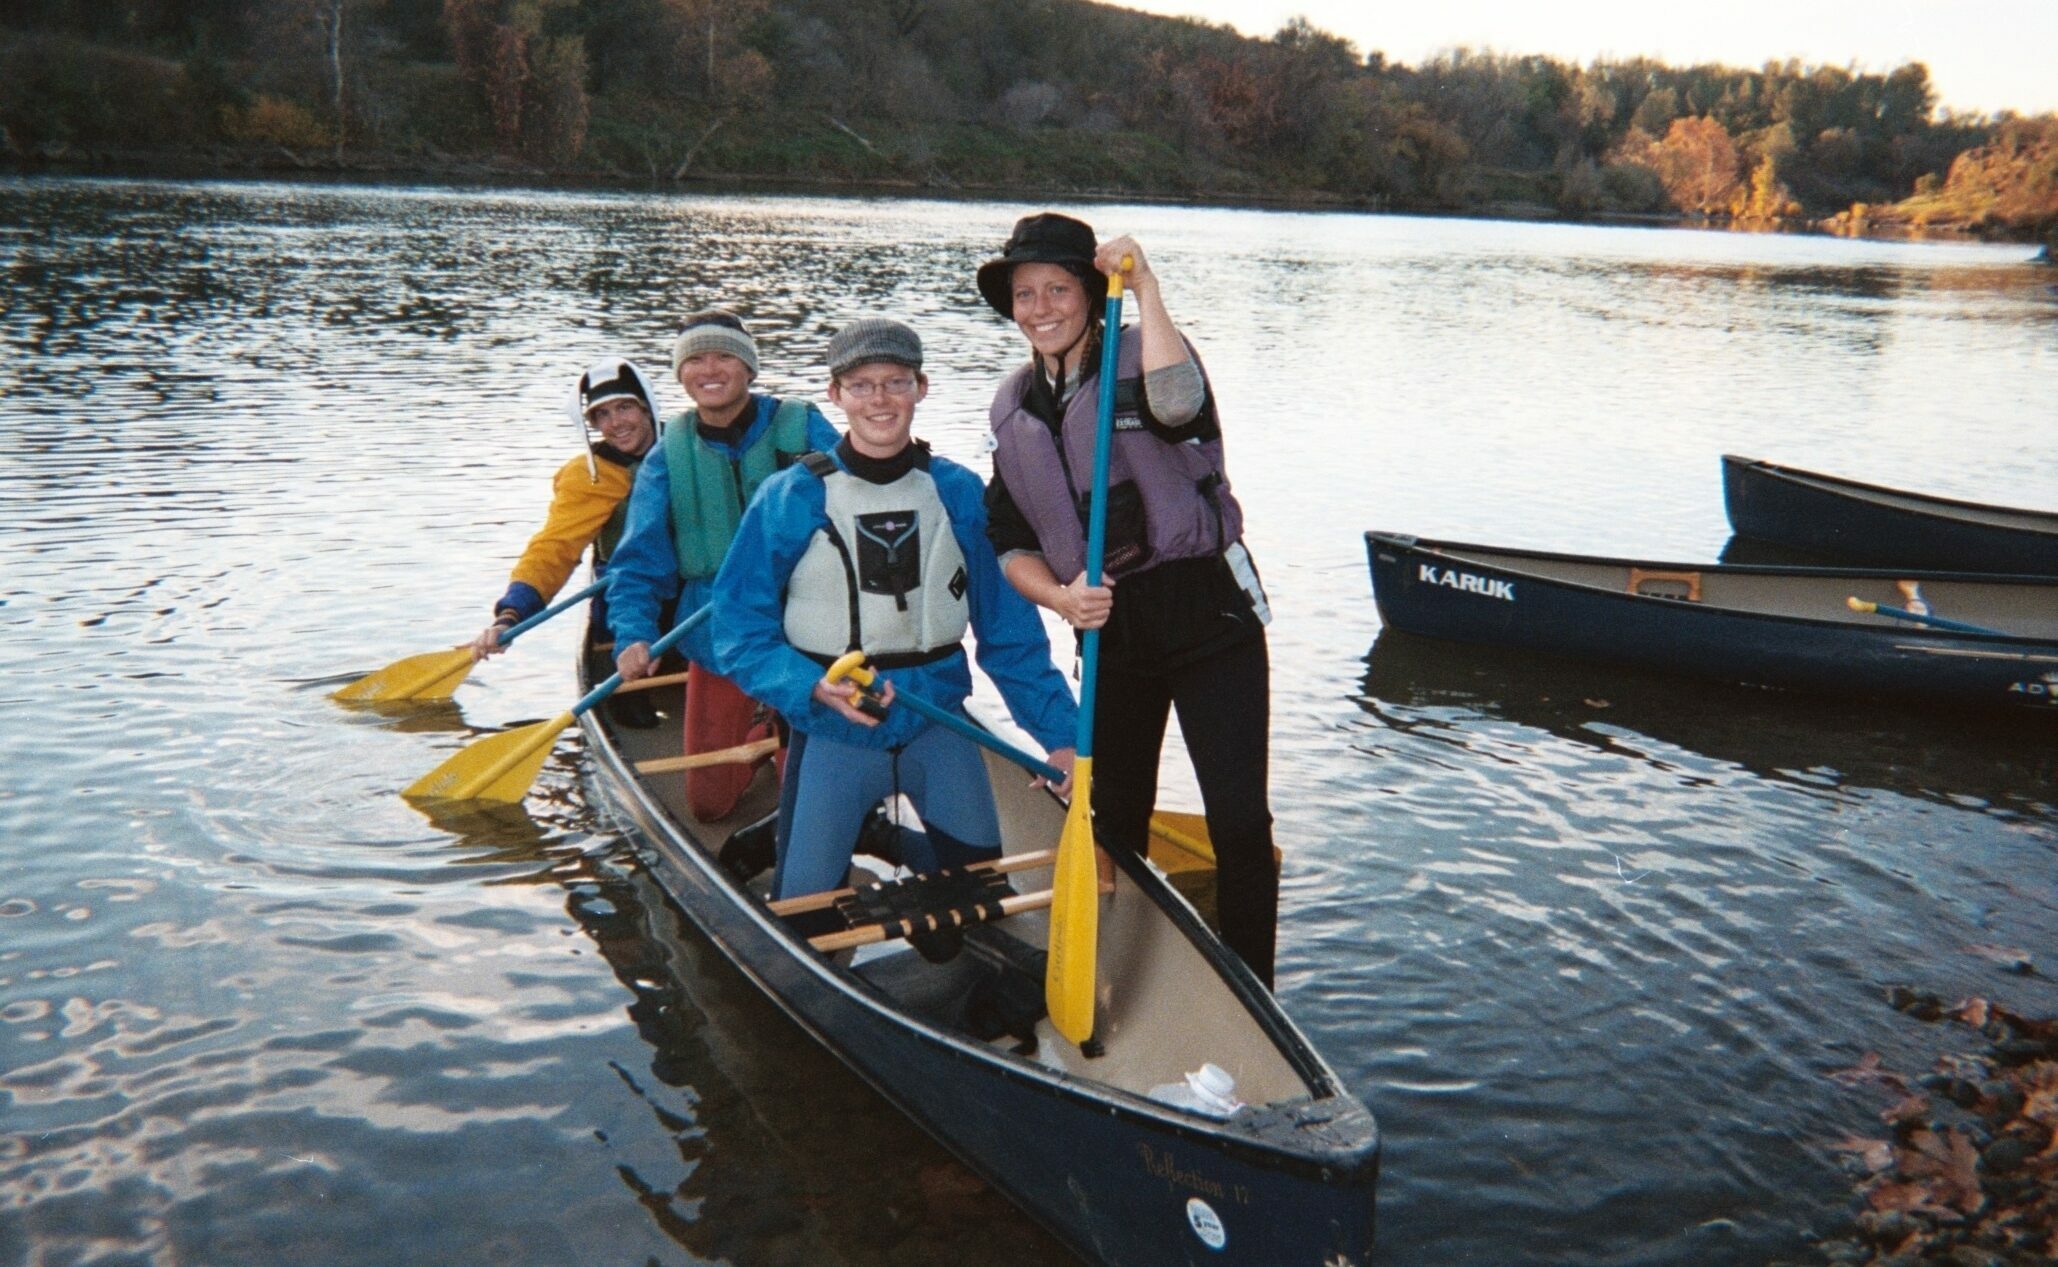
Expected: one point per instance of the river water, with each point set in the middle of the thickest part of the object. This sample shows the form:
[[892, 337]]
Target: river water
[[1590, 944]]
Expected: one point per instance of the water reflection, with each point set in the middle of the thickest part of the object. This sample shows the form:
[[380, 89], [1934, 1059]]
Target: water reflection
[[2004, 765], [780, 1155]]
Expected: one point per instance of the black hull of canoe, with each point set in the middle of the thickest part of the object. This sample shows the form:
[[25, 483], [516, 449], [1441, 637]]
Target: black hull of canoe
[[1110, 1177], [1864, 525], [1536, 613]]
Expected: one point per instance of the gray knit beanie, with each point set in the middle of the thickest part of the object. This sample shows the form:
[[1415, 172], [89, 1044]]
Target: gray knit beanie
[[714, 330], [871, 339]]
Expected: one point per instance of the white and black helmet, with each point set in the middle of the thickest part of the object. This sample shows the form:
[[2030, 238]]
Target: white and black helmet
[[614, 378]]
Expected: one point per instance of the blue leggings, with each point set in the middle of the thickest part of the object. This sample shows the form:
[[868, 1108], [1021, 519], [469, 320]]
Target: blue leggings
[[829, 787]]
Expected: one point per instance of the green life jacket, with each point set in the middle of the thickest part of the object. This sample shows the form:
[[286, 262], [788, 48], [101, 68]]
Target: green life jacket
[[611, 532], [617, 521], [709, 491]]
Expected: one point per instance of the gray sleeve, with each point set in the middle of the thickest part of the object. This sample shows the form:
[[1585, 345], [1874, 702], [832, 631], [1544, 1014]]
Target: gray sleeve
[[1176, 393]]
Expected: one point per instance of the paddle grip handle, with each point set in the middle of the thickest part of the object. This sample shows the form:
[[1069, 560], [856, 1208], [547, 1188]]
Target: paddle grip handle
[[1115, 282]]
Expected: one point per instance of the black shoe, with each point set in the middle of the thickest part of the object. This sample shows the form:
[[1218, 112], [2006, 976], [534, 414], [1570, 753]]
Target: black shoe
[[941, 946], [880, 836], [750, 851], [633, 711]]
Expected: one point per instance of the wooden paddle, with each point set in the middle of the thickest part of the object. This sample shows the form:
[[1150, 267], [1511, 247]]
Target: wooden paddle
[[1857, 604], [1068, 981], [437, 674], [500, 768]]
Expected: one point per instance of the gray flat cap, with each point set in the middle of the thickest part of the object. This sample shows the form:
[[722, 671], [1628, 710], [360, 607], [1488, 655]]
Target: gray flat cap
[[871, 339]]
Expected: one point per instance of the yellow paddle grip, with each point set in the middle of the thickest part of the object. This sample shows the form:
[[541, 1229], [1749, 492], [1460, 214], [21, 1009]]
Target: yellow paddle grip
[[851, 664]]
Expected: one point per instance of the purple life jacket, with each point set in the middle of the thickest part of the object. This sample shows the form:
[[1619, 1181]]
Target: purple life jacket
[[1165, 500]]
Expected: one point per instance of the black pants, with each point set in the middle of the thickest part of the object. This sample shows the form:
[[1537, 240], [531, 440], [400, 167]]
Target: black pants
[[1225, 712]]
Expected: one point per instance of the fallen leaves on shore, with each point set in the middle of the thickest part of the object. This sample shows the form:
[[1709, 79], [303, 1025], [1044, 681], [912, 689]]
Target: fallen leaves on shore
[[1968, 1174]]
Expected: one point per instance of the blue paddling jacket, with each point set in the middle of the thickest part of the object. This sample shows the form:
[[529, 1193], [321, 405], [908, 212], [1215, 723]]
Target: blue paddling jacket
[[751, 645]]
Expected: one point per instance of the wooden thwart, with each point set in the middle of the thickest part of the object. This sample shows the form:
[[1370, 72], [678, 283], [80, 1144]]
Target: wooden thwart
[[651, 683], [741, 753]]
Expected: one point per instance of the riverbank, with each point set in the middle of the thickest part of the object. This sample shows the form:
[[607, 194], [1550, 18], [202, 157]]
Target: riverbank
[[1175, 112], [270, 162]]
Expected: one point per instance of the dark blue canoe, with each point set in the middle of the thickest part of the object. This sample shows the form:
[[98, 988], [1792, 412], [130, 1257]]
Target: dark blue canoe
[[1769, 626], [1862, 524], [1074, 1141]]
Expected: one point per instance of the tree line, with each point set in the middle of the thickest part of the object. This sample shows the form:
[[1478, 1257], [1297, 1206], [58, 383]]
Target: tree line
[[1065, 95]]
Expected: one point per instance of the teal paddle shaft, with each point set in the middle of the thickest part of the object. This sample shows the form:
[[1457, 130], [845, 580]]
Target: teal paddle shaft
[[657, 649], [1097, 515], [978, 735], [514, 631], [1938, 622]]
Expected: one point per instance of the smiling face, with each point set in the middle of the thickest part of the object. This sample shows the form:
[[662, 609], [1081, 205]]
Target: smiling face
[[624, 423], [878, 400], [1050, 307], [717, 382]]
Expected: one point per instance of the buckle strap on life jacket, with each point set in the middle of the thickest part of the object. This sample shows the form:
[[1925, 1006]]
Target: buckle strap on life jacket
[[896, 659]]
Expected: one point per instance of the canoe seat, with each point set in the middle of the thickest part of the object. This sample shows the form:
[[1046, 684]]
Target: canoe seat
[[1659, 583], [955, 897]]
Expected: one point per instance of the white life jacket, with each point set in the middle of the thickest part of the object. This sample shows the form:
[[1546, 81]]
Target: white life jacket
[[885, 576]]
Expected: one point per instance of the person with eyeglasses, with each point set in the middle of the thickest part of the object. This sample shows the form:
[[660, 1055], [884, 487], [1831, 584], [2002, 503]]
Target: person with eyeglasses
[[689, 496], [1181, 611], [877, 545]]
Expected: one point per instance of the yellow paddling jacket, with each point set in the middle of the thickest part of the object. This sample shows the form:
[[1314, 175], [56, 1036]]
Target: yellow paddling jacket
[[587, 507]]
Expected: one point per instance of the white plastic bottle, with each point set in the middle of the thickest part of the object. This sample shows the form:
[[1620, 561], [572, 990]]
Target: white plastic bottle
[[1208, 1090]]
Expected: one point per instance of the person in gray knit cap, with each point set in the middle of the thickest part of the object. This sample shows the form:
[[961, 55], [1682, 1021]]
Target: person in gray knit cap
[[879, 546], [689, 495]]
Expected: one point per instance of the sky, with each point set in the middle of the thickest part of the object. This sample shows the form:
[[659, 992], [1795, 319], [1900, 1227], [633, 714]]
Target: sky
[[1998, 55]]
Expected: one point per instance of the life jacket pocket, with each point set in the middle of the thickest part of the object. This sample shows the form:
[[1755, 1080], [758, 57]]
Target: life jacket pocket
[[889, 554], [1128, 541]]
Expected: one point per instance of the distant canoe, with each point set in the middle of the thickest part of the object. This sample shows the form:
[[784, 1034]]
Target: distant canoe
[[1869, 526], [963, 1048], [1770, 626]]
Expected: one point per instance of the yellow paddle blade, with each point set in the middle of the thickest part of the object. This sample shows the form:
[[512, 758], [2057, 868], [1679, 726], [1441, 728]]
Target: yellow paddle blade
[[1179, 842], [1074, 916], [431, 675], [498, 768]]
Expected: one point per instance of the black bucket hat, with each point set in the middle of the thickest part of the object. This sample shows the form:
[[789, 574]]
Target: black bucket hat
[[1045, 238]]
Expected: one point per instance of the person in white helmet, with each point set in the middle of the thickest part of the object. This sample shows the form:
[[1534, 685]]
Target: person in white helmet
[[616, 414]]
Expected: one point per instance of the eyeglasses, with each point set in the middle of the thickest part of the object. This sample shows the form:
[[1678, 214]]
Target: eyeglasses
[[865, 389]]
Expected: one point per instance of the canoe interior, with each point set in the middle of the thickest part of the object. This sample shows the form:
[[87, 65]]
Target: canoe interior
[[1163, 1007], [2021, 608], [2034, 521]]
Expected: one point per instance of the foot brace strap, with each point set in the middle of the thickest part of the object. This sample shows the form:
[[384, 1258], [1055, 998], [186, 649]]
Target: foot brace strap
[[951, 898]]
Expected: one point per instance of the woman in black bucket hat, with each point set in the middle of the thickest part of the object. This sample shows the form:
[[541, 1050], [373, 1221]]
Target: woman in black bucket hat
[[1181, 610]]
